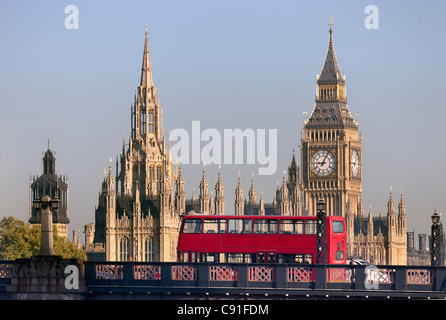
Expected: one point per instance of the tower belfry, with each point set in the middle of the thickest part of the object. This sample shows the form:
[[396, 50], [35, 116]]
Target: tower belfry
[[56, 187]]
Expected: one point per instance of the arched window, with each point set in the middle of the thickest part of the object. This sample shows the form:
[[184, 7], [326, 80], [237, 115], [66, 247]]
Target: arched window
[[149, 249], [150, 122], [143, 122], [124, 249], [158, 177]]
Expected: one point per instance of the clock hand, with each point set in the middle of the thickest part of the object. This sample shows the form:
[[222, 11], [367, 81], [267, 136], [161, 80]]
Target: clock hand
[[323, 162]]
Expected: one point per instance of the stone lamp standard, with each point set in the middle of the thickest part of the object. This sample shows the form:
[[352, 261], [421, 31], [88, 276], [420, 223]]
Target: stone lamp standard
[[46, 205], [435, 238]]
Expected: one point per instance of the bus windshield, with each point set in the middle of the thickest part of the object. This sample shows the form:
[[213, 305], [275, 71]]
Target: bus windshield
[[338, 227]]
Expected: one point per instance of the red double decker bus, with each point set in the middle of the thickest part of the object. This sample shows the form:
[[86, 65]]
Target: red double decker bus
[[258, 239]]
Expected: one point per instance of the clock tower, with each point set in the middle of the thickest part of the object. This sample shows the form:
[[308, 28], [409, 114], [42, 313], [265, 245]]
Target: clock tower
[[331, 144]]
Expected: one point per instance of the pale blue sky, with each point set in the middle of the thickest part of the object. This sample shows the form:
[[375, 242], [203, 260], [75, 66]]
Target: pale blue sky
[[229, 64]]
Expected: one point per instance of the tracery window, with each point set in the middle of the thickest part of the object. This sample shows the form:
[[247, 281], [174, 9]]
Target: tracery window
[[149, 249], [150, 122], [124, 249]]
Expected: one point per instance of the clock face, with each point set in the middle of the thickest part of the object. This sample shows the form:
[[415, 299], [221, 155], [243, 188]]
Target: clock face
[[355, 163], [323, 163]]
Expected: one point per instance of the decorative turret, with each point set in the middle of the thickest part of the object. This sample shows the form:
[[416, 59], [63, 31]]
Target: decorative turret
[[370, 226], [219, 195], [49, 162], [56, 187], [390, 205], [180, 194], [392, 224], [110, 200], [204, 194], [360, 209], [293, 174], [239, 203], [402, 215], [252, 195], [261, 205], [284, 198]]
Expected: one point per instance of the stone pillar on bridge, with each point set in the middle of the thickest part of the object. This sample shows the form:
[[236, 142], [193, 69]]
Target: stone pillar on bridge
[[47, 276], [46, 239]]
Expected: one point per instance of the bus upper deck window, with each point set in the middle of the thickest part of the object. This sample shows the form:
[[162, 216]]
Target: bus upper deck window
[[310, 227], [288, 226], [265, 226], [240, 226], [192, 226], [214, 226]]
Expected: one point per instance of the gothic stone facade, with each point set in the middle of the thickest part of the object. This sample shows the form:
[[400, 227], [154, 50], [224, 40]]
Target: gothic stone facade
[[138, 215]]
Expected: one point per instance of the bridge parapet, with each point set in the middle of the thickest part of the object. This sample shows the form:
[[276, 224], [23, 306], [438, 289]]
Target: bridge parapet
[[285, 280], [273, 277]]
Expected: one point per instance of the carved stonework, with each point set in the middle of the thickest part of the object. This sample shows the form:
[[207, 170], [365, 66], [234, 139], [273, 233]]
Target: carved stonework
[[43, 277]]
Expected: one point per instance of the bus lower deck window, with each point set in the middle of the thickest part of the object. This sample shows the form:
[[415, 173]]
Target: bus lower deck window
[[235, 257], [295, 258]]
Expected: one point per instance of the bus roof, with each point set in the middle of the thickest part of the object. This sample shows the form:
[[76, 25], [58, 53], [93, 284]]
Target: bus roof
[[213, 216]]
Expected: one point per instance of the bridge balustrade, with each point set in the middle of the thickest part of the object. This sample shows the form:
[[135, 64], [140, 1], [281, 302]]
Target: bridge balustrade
[[345, 277], [6, 268], [145, 276]]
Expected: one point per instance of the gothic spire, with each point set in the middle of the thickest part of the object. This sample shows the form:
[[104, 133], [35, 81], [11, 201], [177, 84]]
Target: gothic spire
[[284, 188], [239, 204], [219, 196], [239, 190], [110, 181], [261, 205], [146, 70], [49, 162], [252, 192], [219, 185], [402, 205], [180, 194], [204, 184], [331, 72], [204, 194], [391, 204], [331, 108]]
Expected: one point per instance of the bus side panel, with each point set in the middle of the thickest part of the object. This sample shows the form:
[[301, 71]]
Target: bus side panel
[[336, 242]]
